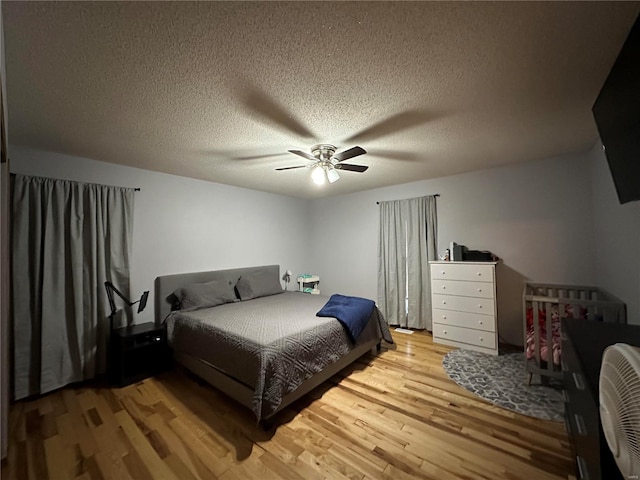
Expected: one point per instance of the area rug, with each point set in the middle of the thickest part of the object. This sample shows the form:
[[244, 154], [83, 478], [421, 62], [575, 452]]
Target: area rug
[[502, 380]]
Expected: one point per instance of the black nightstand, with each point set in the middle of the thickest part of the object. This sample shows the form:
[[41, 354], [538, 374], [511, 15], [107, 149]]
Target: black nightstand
[[138, 352]]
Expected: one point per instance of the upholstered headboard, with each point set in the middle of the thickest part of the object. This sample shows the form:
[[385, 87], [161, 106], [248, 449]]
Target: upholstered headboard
[[164, 286]]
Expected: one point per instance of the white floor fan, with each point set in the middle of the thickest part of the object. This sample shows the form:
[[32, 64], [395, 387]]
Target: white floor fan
[[620, 405]]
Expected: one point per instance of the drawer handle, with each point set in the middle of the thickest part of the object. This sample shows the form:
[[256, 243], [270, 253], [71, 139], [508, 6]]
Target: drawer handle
[[480, 322], [444, 287], [580, 426], [480, 290], [444, 331], [444, 302], [442, 272], [444, 317], [479, 274], [479, 306], [577, 379], [481, 339], [565, 396], [582, 468], [563, 365]]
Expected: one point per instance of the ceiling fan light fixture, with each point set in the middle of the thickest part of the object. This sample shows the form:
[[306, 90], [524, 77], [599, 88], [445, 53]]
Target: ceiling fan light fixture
[[332, 175], [318, 175], [327, 162]]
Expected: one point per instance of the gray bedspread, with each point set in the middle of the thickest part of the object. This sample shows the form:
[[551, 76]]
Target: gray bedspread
[[270, 344]]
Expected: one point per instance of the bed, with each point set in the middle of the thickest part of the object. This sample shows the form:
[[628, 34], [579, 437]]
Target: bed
[[266, 350], [545, 305]]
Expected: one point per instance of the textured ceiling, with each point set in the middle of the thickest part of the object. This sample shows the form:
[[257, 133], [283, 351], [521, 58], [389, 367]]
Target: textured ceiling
[[220, 90]]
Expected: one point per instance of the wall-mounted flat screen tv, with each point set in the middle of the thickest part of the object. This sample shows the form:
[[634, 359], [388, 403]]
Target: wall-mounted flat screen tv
[[617, 115]]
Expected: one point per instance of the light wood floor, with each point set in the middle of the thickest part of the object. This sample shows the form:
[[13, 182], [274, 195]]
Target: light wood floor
[[394, 416]]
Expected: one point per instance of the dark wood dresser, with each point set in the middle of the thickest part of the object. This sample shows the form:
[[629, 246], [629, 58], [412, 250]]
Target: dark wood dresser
[[583, 343]]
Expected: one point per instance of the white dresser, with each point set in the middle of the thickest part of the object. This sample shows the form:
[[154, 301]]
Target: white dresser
[[463, 299]]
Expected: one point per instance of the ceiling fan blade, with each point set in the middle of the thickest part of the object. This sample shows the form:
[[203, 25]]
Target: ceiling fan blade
[[393, 124], [350, 153], [306, 155], [263, 105], [351, 168], [291, 168]]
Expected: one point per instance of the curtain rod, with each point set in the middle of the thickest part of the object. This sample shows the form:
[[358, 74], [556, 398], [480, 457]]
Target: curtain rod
[[136, 189], [434, 195]]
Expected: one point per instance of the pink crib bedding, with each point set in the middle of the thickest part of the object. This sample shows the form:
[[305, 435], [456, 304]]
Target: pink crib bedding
[[556, 349]]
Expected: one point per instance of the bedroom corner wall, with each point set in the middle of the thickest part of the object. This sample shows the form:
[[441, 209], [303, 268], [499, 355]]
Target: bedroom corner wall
[[186, 225], [4, 257], [535, 216], [617, 235]]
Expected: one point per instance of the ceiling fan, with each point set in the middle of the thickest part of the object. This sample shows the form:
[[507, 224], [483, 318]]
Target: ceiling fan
[[326, 162]]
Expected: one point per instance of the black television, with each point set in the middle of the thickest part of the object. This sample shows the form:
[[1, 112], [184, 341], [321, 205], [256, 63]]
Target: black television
[[617, 115]]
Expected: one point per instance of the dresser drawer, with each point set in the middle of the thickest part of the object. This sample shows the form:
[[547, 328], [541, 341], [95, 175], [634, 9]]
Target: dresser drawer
[[569, 359], [584, 408], [465, 335], [584, 437], [451, 271], [485, 306], [466, 289], [464, 319]]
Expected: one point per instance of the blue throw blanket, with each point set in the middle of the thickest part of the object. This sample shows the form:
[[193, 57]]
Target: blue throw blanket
[[352, 312]]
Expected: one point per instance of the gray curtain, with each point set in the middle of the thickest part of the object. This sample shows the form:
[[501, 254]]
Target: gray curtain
[[407, 242], [68, 238]]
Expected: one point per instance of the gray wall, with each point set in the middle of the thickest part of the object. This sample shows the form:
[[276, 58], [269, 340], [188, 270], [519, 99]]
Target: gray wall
[[183, 225], [617, 238], [556, 220], [537, 217]]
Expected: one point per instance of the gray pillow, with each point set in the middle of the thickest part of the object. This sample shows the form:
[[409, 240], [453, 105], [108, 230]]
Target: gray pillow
[[259, 284], [205, 295]]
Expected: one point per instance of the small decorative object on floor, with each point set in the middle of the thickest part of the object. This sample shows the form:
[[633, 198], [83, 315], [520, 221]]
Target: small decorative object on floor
[[501, 380], [403, 330]]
